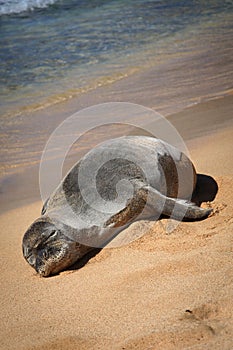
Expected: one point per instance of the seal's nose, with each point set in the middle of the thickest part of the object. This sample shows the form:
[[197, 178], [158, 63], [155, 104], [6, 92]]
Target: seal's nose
[[41, 269]]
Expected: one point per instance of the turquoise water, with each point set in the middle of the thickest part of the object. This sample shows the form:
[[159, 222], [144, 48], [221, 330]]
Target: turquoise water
[[53, 50]]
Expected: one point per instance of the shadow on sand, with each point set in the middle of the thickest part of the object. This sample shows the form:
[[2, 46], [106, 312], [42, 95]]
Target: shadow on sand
[[206, 189]]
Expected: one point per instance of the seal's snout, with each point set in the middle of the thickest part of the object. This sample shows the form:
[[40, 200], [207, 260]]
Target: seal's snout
[[34, 241], [47, 249]]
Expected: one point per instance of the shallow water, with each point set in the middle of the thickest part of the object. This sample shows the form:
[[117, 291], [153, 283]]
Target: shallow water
[[53, 50]]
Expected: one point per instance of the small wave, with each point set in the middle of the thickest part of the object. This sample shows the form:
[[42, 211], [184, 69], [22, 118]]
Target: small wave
[[17, 6], [66, 95]]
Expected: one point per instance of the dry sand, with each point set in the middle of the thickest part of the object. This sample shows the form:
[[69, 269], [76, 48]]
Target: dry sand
[[163, 291]]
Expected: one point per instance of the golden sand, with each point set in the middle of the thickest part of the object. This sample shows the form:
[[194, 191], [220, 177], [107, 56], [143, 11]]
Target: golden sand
[[160, 292]]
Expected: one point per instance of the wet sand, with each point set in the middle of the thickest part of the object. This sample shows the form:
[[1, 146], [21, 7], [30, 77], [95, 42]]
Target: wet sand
[[163, 291]]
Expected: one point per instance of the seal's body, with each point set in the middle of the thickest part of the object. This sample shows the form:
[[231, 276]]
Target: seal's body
[[116, 183]]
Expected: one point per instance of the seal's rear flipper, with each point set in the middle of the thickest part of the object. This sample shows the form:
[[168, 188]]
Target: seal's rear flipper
[[148, 202], [186, 210], [175, 208]]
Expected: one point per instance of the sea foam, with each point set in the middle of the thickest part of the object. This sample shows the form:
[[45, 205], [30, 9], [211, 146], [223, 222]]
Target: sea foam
[[18, 6]]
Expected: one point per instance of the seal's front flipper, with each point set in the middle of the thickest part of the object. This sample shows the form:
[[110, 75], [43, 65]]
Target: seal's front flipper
[[132, 210], [174, 207]]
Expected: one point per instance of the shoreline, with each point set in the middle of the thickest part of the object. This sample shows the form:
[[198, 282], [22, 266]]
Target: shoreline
[[177, 77], [22, 187]]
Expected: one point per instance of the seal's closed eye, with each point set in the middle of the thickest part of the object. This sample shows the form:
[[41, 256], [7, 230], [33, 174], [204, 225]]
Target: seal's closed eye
[[49, 236]]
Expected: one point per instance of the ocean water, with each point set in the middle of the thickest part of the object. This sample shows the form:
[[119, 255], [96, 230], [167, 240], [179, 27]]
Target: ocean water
[[52, 50], [165, 54]]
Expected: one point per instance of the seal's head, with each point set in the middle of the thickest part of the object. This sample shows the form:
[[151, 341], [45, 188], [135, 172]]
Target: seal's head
[[47, 249]]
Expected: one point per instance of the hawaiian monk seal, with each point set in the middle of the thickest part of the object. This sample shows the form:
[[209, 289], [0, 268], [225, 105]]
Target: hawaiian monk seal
[[114, 184]]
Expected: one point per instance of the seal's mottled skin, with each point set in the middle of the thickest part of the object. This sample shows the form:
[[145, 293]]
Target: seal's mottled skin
[[161, 179]]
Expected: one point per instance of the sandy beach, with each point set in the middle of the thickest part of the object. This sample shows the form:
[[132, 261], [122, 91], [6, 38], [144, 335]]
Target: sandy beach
[[163, 291]]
